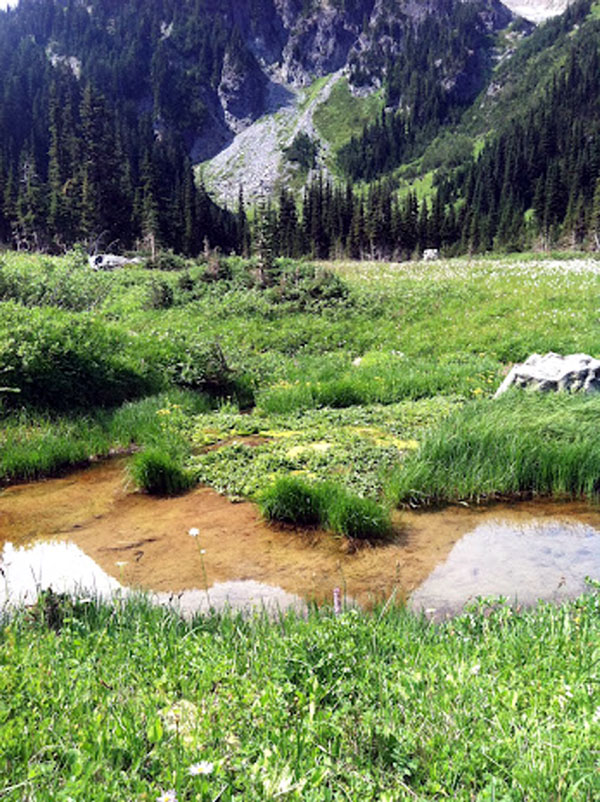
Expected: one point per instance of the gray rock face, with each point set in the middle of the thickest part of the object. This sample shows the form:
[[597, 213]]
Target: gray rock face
[[293, 42], [241, 90], [318, 44], [553, 372]]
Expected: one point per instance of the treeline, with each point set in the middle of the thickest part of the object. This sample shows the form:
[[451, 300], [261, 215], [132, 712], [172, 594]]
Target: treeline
[[335, 221], [540, 178], [102, 182], [99, 104]]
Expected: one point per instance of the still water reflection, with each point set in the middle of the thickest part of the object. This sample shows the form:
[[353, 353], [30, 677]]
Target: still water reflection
[[523, 562], [66, 569]]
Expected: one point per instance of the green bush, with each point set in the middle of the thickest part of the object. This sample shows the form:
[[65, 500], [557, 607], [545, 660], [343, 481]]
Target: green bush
[[202, 366], [59, 360], [217, 269], [308, 287], [167, 260], [160, 473], [65, 284], [160, 295]]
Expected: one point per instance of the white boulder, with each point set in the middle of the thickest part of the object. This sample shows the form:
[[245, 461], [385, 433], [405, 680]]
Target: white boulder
[[552, 372], [109, 261]]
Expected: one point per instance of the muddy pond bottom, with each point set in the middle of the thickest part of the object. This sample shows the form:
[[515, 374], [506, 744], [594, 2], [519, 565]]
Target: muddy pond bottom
[[91, 533]]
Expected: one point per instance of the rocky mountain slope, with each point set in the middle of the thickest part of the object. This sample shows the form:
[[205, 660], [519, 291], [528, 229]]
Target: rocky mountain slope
[[268, 100]]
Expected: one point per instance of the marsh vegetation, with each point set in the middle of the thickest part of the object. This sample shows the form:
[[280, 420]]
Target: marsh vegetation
[[329, 394]]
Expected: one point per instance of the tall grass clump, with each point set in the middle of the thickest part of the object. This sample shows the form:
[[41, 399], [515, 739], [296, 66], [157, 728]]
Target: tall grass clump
[[160, 473], [357, 518], [292, 500], [520, 444]]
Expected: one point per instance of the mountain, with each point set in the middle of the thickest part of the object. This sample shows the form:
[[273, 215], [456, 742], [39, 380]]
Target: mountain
[[105, 106], [205, 70]]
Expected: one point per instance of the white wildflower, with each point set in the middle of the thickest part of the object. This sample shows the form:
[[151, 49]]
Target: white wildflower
[[202, 767], [167, 796]]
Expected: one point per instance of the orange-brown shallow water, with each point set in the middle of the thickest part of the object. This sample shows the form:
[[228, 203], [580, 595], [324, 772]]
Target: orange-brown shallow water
[[143, 542]]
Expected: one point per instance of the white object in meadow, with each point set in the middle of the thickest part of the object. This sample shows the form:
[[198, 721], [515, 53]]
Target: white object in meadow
[[553, 372]]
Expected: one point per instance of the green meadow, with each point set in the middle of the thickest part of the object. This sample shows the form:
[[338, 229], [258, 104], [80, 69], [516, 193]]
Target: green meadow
[[129, 702], [328, 394], [377, 377]]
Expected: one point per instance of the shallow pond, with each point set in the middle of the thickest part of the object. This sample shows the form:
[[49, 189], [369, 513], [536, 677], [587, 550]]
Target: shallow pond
[[92, 531]]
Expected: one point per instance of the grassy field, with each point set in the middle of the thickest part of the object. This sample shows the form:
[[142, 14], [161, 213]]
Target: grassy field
[[131, 703], [328, 396], [344, 115], [363, 372]]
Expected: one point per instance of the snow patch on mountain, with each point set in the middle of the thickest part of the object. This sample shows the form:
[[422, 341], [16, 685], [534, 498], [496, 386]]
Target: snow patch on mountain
[[537, 10]]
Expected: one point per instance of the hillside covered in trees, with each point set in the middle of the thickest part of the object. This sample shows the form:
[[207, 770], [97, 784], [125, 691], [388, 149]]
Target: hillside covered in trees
[[105, 106]]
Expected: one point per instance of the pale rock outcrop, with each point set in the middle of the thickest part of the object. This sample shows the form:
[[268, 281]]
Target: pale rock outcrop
[[552, 372], [109, 261]]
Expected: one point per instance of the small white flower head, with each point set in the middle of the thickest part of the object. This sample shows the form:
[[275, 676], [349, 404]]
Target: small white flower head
[[203, 767], [596, 716], [202, 551], [194, 531], [167, 796]]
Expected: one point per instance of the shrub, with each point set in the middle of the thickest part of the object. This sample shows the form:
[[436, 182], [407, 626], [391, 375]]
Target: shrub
[[306, 287], [167, 260], [160, 473], [63, 361], [202, 366], [217, 269], [160, 295]]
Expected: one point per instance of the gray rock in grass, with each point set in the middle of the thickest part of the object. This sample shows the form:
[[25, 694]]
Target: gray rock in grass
[[552, 372]]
